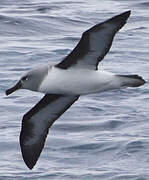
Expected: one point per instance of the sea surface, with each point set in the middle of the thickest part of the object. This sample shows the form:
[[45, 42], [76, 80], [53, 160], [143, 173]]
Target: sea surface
[[102, 136]]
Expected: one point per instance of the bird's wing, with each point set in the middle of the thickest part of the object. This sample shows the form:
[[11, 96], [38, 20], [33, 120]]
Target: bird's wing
[[36, 123], [94, 44]]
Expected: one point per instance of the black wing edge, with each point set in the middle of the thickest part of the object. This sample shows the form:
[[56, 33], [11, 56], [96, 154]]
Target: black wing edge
[[82, 47]]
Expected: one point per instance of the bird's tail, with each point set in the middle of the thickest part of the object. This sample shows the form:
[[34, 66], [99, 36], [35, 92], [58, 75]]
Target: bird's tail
[[131, 80]]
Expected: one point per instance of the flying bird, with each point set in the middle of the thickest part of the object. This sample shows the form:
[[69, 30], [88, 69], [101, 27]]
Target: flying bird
[[63, 83]]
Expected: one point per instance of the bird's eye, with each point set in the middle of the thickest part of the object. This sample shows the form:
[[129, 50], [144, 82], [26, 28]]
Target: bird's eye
[[25, 78]]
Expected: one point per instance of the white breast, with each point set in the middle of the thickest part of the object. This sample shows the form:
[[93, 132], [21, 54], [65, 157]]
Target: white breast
[[77, 81]]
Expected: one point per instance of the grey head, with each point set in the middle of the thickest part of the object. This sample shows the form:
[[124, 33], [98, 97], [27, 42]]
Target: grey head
[[30, 80]]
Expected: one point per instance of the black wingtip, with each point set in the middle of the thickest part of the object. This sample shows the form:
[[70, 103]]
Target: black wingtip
[[121, 17], [27, 159], [30, 153], [30, 166], [126, 14], [30, 162]]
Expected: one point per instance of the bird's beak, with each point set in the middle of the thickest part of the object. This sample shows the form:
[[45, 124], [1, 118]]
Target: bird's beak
[[14, 88]]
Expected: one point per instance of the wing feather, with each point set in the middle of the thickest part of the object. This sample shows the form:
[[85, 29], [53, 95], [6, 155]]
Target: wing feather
[[36, 123], [94, 44]]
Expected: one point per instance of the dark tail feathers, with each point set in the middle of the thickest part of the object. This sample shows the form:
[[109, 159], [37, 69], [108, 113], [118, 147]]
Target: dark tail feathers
[[131, 80]]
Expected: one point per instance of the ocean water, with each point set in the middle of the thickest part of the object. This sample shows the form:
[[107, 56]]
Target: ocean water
[[102, 136]]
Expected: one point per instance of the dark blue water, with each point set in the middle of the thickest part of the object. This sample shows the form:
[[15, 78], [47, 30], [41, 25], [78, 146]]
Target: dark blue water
[[103, 136]]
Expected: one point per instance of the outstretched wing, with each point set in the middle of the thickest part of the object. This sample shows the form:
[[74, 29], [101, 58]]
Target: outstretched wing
[[94, 44], [36, 123]]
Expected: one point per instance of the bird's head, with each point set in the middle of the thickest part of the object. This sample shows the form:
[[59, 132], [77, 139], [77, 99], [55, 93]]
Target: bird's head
[[30, 80]]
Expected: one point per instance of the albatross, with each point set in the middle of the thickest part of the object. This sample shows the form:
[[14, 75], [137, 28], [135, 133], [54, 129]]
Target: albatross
[[64, 82]]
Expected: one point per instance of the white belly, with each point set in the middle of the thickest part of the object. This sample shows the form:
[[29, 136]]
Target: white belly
[[77, 81]]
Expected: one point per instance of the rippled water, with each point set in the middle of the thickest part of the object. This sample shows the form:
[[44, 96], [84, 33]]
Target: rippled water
[[102, 136]]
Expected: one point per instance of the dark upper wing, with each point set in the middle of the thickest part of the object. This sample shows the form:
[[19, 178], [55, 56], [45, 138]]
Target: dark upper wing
[[36, 123], [94, 44]]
